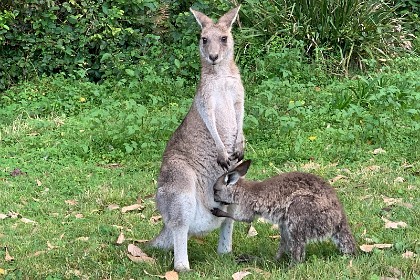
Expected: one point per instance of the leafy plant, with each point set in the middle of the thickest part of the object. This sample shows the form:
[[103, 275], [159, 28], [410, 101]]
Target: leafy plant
[[353, 30]]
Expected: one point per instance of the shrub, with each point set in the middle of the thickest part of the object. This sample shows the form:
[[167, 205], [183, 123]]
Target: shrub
[[353, 30]]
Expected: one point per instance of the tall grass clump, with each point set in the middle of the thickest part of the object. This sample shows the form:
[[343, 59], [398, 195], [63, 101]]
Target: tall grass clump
[[344, 32]]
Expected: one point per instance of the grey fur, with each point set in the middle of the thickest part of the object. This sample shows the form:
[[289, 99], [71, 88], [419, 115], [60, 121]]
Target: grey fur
[[207, 141], [304, 206]]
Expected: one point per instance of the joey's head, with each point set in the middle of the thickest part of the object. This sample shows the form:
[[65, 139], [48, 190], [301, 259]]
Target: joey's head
[[225, 187], [216, 42]]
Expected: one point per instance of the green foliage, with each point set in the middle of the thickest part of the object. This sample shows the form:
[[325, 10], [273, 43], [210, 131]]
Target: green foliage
[[347, 31]]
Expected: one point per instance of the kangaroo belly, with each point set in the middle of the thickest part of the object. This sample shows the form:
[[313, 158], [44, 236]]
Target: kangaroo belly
[[204, 221]]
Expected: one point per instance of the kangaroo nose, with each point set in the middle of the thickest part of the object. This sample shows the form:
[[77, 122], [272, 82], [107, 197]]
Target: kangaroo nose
[[213, 57]]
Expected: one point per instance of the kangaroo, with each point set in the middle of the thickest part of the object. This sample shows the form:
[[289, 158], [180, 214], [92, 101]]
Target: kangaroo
[[304, 206], [209, 139]]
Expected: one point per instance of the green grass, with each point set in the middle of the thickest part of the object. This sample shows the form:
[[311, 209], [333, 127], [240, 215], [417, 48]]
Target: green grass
[[66, 146]]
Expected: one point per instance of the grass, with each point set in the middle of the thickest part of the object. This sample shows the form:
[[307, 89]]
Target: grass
[[80, 156]]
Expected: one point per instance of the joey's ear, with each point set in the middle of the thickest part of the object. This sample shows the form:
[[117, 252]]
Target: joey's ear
[[201, 18], [232, 177], [242, 168], [229, 18]]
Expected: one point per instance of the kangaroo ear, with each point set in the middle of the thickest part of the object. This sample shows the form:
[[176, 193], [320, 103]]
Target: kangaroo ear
[[232, 177], [201, 18], [242, 168], [229, 18]]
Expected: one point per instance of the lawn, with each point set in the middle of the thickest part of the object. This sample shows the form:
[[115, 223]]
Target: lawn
[[73, 154]]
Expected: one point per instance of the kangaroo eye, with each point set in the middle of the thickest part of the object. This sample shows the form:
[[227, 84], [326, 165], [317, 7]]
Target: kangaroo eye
[[224, 39], [204, 40]]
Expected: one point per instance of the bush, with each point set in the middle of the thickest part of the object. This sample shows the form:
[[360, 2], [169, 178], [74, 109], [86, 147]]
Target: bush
[[352, 30]]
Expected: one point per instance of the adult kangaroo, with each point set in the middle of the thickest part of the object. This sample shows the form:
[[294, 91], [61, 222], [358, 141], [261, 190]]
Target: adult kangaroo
[[208, 140]]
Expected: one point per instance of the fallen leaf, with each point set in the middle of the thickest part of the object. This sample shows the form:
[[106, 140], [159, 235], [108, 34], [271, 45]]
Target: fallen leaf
[[171, 275], [408, 255], [153, 275], [131, 207], [373, 168], [50, 246], [378, 151], [137, 255], [3, 216], [121, 238], [71, 202], [252, 231], [336, 178], [155, 219], [2, 271], [396, 201], [79, 216], [38, 183], [8, 257], [28, 221], [399, 180], [391, 224], [37, 253], [240, 275], [13, 215], [275, 236], [311, 166], [395, 271], [113, 207], [83, 238], [368, 248]]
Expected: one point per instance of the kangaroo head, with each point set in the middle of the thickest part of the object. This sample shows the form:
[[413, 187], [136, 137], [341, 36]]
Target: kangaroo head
[[224, 186], [216, 43]]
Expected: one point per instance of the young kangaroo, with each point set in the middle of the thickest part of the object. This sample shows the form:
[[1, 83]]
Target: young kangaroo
[[303, 205], [207, 141]]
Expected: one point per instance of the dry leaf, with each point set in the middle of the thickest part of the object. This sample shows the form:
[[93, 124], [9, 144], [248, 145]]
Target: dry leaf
[[121, 238], [13, 215], [79, 216], [37, 253], [131, 208], [2, 271], [252, 231], [369, 248], [137, 255], [275, 236], [399, 180], [38, 183], [113, 207], [336, 178], [8, 257], [311, 166], [396, 201], [390, 224], [378, 151], [240, 275], [171, 275], [3, 216], [373, 168], [27, 221], [408, 255], [71, 202], [155, 219], [83, 238], [50, 246]]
